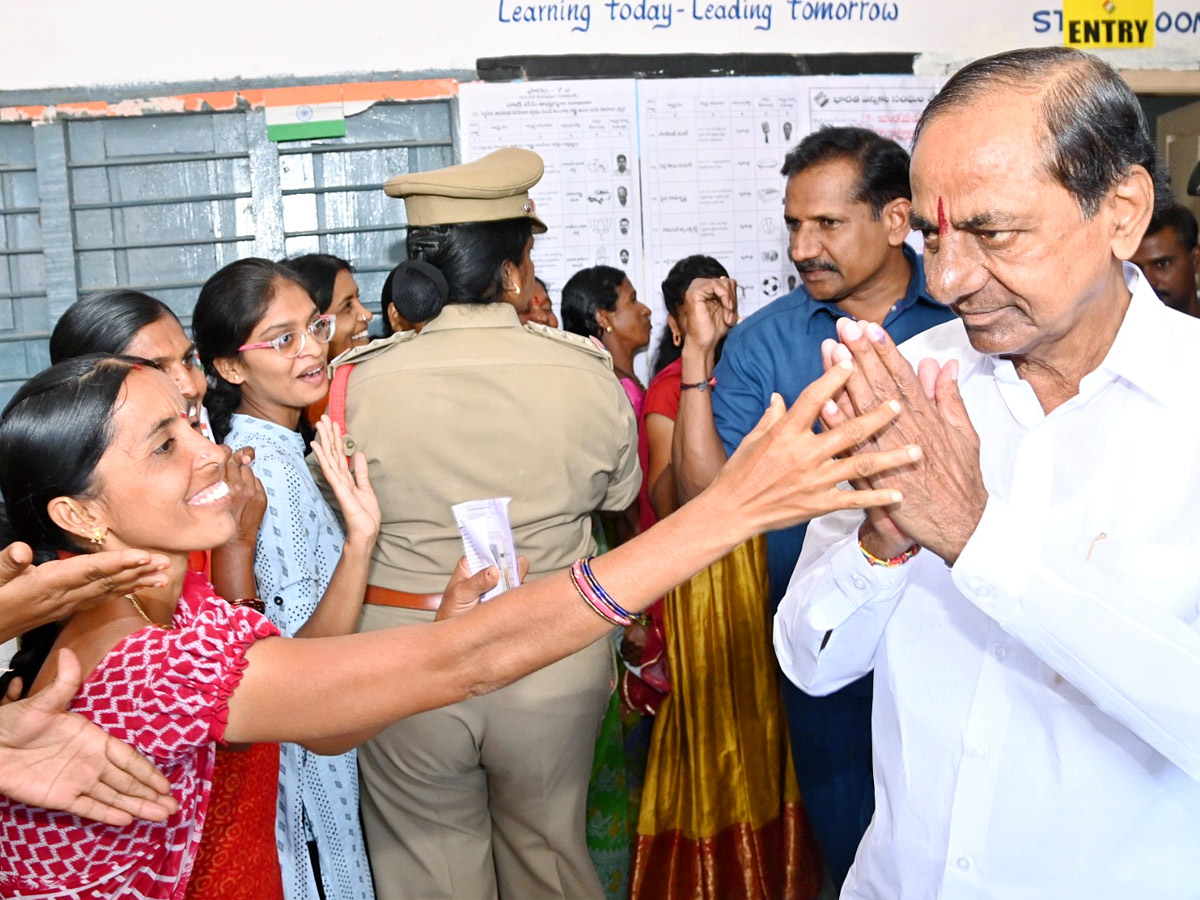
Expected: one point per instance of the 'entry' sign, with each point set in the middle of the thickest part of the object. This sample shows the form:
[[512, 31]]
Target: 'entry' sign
[[1090, 24]]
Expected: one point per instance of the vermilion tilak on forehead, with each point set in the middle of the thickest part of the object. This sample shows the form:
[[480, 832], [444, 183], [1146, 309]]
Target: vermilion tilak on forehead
[[943, 222]]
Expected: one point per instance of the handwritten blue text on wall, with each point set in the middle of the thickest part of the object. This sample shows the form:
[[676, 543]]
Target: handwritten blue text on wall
[[660, 14]]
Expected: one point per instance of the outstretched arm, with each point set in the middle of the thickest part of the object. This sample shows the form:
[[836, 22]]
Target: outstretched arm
[[34, 595], [783, 473]]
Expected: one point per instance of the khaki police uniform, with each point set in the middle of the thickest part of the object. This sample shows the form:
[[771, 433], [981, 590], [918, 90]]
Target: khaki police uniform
[[486, 798]]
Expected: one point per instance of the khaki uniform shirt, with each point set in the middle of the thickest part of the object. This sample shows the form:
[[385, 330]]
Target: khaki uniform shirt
[[477, 406]]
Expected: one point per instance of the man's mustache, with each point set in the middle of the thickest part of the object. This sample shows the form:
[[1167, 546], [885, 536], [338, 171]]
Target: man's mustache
[[815, 265]]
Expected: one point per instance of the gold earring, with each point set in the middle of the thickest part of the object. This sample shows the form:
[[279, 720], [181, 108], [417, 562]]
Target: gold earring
[[676, 339], [608, 328], [95, 533]]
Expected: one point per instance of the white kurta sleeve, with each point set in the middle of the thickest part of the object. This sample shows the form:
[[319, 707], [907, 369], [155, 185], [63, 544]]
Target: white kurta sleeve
[[831, 619]]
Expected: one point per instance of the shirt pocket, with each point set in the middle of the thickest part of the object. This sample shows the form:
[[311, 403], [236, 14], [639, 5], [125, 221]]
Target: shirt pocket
[[1167, 575]]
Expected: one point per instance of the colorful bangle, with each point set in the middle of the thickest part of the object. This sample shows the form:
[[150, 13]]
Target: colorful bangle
[[598, 600], [594, 607], [586, 567], [894, 561], [700, 385], [595, 597]]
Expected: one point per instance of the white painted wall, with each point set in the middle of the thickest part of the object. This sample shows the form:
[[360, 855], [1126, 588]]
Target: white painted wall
[[68, 43]]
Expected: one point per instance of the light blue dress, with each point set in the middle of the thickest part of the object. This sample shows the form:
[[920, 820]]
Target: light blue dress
[[299, 544]]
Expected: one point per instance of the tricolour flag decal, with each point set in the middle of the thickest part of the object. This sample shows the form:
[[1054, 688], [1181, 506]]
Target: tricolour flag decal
[[305, 121]]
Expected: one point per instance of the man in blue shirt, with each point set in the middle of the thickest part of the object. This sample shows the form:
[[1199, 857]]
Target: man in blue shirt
[[846, 209]]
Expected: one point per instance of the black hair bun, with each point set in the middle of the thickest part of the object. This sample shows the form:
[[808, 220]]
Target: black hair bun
[[419, 290]]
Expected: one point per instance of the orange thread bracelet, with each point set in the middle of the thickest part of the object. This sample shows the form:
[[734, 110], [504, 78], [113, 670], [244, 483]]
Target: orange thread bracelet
[[894, 561]]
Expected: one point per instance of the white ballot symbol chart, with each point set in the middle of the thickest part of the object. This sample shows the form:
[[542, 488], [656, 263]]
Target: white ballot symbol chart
[[641, 173], [712, 150], [590, 196], [712, 154]]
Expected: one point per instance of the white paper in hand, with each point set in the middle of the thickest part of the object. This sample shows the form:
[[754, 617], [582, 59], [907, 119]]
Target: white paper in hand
[[488, 541]]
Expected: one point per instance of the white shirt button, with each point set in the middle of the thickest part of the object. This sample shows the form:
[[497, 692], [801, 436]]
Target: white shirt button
[[1000, 651], [860, 582], [963, 863], [979, 751], [979, 588]]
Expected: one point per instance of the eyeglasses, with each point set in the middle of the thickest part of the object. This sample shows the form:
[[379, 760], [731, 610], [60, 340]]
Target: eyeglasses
[[291, 344]]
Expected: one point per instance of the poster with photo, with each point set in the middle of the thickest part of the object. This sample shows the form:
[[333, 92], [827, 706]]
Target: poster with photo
[[590, 196], [712, 150], [640, 174]]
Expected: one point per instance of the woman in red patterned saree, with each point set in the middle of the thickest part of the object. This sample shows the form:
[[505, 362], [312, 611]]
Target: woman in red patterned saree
[[98, 451]]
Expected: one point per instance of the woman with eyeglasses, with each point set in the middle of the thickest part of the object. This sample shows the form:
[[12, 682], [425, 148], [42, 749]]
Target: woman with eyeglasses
[[264, 342]]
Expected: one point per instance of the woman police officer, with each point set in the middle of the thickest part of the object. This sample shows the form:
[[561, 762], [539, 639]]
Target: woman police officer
[[485, 798]]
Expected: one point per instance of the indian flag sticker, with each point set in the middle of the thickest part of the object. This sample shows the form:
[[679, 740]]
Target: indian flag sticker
[[306, 121]]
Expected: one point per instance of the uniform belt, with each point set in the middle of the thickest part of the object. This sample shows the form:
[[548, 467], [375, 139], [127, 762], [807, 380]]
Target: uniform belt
[[381, 596]]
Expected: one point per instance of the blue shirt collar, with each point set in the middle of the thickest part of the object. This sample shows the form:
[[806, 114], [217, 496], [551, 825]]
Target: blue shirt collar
[[916, 293]]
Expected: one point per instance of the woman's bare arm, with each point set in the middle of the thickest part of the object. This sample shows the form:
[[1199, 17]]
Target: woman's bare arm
[[697, 453], [660, 473], [340, 605], [233, 562], [783, 473]]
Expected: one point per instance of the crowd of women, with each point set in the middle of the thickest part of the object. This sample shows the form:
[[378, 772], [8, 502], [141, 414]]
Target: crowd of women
[[470, 727]]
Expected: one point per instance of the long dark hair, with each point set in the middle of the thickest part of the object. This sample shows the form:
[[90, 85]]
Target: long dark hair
[[104, 323], [52, 435], [674, 286], [319, 271], [470, 257], [585, 292], [231, 303]]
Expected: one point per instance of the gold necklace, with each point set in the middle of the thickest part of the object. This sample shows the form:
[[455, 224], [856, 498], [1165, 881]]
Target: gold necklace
[[141, 612]]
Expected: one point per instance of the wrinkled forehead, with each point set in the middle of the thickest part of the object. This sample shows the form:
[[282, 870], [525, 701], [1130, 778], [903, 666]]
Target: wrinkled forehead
[[991, 144]]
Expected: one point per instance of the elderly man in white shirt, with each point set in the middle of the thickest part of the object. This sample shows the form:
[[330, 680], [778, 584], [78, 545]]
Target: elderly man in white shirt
[[1030, 608]]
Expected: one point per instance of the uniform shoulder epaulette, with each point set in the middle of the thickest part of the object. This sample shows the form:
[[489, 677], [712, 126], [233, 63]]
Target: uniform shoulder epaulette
[[588, 345], [371, 350]]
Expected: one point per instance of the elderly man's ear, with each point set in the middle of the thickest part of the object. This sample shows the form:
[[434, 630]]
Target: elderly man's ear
[[1130, 205]]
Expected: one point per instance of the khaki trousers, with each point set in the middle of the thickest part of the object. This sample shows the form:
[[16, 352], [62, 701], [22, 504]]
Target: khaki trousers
[[486, 799]]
